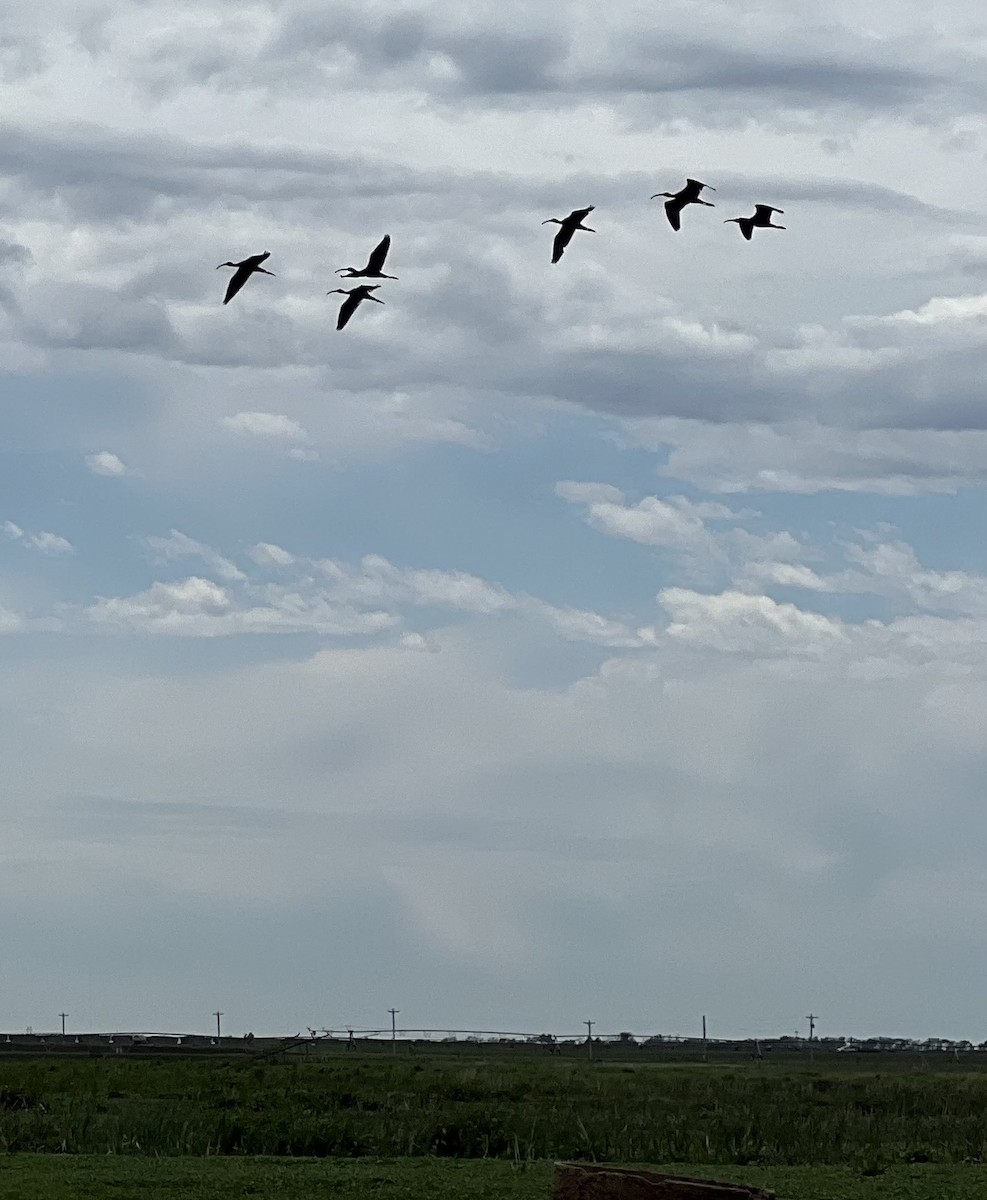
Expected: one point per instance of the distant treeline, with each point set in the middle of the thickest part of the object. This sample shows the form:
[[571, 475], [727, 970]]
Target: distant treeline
[[322, 1043], [12, 1043]]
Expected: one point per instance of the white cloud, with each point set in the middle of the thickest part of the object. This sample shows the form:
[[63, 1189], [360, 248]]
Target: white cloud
[[890, 569], [334, 598], [197, 607], [193, 605], [378, 580], [788, 575], [10, 622], [893, 569], [266, 425], [418, 641], [682, 526], [180, 545], [807, 457], [651, 521], [954, 311], [331, 597], [266, 554], [48, 543], [106, 463], [742, 623], [577, 625]]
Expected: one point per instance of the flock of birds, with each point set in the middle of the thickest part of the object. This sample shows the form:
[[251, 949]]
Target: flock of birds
[[676, 202]]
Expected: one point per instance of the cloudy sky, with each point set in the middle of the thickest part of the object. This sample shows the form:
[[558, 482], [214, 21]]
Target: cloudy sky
[[604, 640]]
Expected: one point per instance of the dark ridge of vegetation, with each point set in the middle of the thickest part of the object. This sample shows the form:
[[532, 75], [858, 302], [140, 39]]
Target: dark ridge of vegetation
[[521, 1112]]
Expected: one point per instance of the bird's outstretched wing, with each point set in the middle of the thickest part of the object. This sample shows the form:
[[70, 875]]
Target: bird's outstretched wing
[[673, 210], [747, 229], [347, 309], [238, 279], [580, 214], [766, 209], [562, 239], [379, 254]]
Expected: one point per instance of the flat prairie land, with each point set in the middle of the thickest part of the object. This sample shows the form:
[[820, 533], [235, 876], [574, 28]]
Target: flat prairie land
[[94, 1177], [392, 1128], [525, 1111]]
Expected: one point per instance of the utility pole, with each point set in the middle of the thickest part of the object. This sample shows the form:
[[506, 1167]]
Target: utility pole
[[217, 1014], [63, 1016], [394, 1033], [704, 1037], [589, 1036], [811, 1018]]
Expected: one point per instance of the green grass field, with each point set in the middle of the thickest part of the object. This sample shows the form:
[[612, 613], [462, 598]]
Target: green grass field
[[530, 1110], [59, 1177], [395, 1128]]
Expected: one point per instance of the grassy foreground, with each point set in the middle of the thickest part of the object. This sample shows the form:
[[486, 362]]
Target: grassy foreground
[[523, 1112], [369, 1128], [51, 1177]]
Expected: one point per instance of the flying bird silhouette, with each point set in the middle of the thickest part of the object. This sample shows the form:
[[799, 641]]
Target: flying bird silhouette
[[760, 220], [678, 200], [243, 272], [374, 267], [568, 226], [354, 298]]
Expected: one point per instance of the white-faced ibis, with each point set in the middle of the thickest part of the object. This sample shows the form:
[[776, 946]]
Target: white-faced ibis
[[375, 264], [354, 298], [568, 226], [760, 220], [678, 200], [243, 272]]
